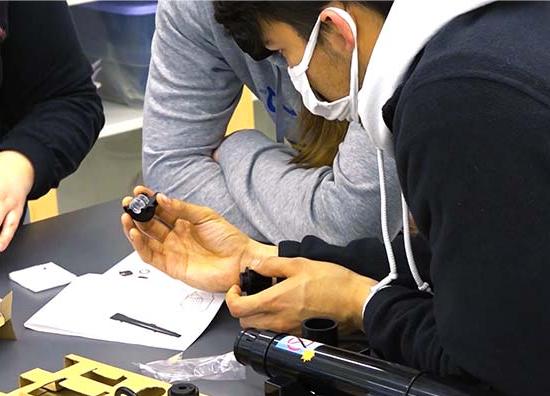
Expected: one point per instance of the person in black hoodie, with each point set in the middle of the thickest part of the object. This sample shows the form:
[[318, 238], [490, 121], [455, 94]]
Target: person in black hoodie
[[50, 113], [464, 88]]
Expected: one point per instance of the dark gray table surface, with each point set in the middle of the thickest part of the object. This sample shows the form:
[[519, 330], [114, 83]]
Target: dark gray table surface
[[90, 240]]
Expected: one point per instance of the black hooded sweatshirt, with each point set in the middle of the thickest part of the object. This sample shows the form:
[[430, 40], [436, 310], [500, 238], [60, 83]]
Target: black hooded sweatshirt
[[471, 126], [49, 109]]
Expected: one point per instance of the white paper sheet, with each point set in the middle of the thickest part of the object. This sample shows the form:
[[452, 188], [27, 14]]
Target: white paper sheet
[[84, 308], [42, 277]]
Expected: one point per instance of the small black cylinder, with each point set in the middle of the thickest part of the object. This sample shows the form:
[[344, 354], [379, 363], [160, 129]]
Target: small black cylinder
[[183, 389], [251, 282], [323, 330]]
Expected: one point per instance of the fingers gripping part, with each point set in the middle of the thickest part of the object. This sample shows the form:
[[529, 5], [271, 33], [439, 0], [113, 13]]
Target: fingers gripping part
[[251, 282]]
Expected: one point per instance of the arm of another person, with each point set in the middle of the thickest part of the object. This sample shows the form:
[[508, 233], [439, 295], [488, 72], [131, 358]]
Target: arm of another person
[[287, 202], [478, 172], [191, 95], [47, 98], [48, 103]]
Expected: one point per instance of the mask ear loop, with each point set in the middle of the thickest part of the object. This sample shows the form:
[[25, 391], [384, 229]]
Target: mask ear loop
[[303, 66], [354, 69]]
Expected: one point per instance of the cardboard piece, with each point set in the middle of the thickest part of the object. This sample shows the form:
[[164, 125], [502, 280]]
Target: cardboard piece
[[7, 331], [85, 377]]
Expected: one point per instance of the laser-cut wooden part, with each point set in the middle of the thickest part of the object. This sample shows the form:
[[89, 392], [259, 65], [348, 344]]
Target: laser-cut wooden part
[[85, 377]]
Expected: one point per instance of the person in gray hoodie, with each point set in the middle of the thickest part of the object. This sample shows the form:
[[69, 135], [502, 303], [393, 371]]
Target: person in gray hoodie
[[196, 77]]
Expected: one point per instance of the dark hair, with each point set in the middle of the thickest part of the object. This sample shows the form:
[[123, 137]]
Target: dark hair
[[241, 19]]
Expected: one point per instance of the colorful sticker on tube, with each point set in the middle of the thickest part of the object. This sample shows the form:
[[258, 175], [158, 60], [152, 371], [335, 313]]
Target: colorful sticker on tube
[[300, 346]]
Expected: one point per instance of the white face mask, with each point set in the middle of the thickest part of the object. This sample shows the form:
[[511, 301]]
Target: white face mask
[[341, 109]]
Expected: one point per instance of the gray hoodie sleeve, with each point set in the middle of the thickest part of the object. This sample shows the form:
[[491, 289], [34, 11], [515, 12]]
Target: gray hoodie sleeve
[[337, 204], [196, 77], [186, 113]]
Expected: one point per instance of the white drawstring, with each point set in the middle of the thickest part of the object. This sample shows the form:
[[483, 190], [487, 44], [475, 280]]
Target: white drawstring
[[384, 216], [385, 233], [422, 286]]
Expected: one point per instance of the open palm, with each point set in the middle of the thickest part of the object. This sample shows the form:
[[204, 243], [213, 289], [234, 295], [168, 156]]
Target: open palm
[[190, 243]]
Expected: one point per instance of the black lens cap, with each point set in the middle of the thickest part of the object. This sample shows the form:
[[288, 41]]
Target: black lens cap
[[323, 330], [183, 389]]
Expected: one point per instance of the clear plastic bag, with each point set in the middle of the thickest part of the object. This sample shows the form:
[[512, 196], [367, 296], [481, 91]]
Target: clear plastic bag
[[176, 368]]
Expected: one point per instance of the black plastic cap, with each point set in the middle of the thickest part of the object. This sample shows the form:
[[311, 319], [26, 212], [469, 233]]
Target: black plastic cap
[[323, 330], [183, 389]]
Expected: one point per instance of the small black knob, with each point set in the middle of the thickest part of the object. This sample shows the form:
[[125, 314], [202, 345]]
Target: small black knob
[[183, 389]]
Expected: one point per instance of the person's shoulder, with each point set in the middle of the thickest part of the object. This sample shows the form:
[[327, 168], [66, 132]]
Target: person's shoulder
[[194, 21], [187, 14], [504, 41]]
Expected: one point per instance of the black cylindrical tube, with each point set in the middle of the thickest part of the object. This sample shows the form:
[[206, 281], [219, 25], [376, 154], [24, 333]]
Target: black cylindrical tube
[[321, 367]]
